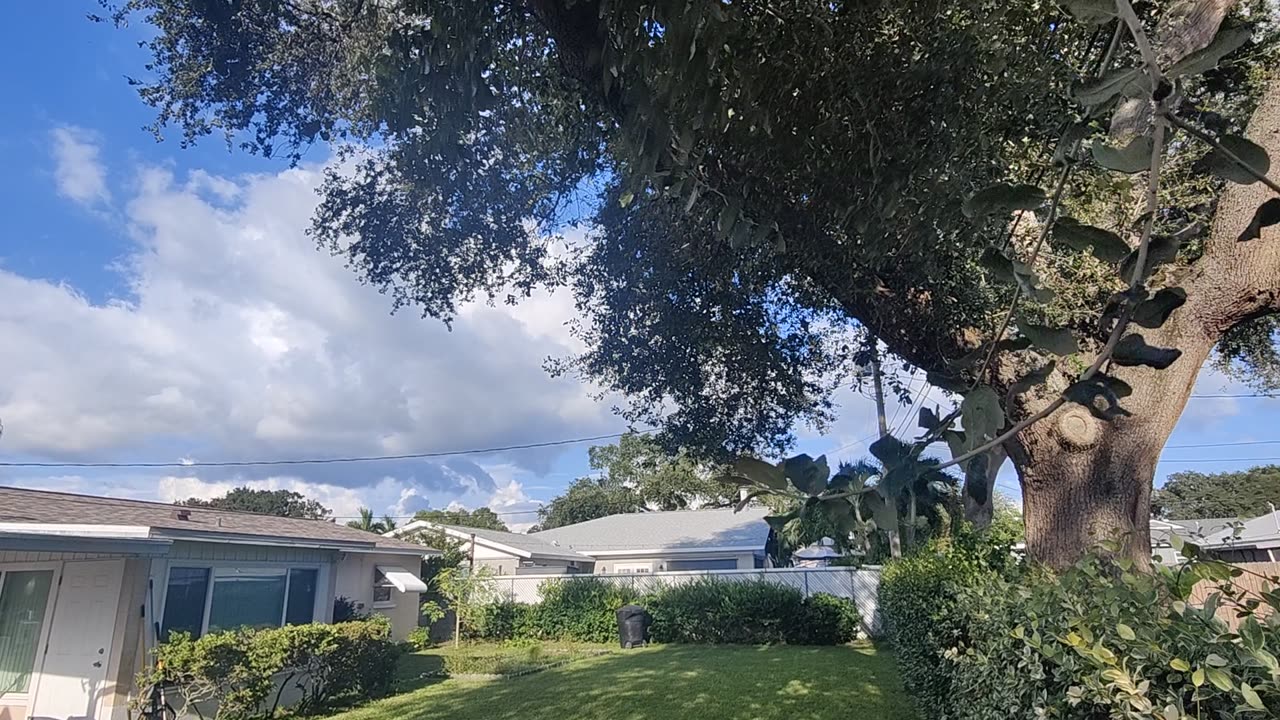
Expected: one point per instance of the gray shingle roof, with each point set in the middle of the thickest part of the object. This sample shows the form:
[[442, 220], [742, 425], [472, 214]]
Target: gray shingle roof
[[533, 544], [20, 505], [674, 530], [1258, 530]]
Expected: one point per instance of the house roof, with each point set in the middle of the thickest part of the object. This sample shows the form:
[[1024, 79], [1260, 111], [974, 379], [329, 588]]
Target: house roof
[[1261, 531], [686, 530], [45, 512], [1201, 531], [515, 543]]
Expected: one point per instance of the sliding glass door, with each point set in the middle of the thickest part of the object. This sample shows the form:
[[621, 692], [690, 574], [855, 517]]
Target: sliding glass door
[[24, 597]]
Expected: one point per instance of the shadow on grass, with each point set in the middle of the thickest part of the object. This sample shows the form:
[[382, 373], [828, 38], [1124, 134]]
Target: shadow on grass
[[708, 683]]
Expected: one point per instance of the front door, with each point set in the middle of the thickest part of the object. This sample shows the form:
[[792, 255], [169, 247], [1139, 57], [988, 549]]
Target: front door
[[73, 676]]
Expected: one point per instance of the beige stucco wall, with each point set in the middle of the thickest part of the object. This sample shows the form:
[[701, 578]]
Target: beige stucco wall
[[354, 581]]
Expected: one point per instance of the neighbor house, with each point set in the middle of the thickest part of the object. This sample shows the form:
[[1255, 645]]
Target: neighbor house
[[1196, 531], [646, 542], [89, 584], [1256, 540]]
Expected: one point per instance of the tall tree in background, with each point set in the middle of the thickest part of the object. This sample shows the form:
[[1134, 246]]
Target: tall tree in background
[[1241, 494], [482, 518], [282, 503], [636, 474], [367, 522], [786, 172]]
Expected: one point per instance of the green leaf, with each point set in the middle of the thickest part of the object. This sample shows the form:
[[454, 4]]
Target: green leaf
[[997, 265], [1094, 12], [626, 198], [728, 218], [1002, 199], [1251, 697], [761, 472], [1125, 632], [1216, 660], [981, 415], [778, 522], [890, 451], [1058, 341], [1153, 313], [1180, 665], [1267, 214], [1067, 151], [1133, 350], [1133, 157], [1224, 43], [1116, 82], [1161, 249], [929, 419], [1104, 244], [809, 476], [1250, 152], [950, 383], [1219, 678], [741, 235], [1098, 397], [1197, 677], [1033, 378]]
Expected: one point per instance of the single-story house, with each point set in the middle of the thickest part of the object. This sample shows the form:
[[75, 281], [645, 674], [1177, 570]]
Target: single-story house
[[88, 585], [714, 539]]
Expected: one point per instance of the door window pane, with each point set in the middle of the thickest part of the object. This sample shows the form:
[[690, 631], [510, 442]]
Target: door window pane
[[249, 598], [301, 605], [184, 601], [23, 597]]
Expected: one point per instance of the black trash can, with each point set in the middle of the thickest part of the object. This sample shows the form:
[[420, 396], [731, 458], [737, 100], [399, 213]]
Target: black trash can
[[633, 626]]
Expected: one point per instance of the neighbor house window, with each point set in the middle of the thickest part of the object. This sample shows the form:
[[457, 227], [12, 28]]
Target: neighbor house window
[[200, 600], [382, 589], [24, 595], [633, 568]]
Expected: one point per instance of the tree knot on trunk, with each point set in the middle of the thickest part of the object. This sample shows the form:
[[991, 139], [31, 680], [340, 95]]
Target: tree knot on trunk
[[1077, 429]]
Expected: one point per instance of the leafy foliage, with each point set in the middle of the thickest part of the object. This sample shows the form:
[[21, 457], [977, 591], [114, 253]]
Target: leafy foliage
[[281, 503], [482, 518], [1242, 494], [636, 474], [245, 672]]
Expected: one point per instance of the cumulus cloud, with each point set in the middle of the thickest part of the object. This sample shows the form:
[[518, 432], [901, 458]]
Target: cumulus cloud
[[239, 339], [78, 170]]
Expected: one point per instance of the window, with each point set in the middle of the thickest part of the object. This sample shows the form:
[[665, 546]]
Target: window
[[721, 564], [633, 568], [382, 589], [24, 595], [200, 600]]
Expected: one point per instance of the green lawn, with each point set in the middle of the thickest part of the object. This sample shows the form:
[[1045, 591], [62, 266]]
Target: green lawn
[[662, 683]]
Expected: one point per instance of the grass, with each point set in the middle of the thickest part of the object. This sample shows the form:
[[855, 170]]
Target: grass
[[674, 681]]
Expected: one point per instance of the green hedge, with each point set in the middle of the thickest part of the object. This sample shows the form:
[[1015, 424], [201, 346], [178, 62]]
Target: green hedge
[[1100, 640], [707, 611], [245, 672]]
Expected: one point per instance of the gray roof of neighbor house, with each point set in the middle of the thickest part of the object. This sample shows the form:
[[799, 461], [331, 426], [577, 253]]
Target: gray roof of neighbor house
[[1201, 531], [534, 545], [22, 507], [673, 530], [1263, 531]]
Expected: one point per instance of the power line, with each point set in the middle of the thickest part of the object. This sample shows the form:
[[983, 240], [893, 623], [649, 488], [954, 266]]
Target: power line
[[1207, 460], [1236, 395], [1224, 444], [318, 461]]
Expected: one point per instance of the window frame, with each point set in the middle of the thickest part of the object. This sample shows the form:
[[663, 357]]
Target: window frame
[[42, 644], [318, 610], [633, 568], [390, 602]]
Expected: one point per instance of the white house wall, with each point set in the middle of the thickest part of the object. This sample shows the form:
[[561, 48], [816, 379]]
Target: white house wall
[[607, 565], [354, 581]]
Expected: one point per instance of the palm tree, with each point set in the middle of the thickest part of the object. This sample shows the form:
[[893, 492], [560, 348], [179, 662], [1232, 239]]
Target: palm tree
[[388, 523], [366, 522]]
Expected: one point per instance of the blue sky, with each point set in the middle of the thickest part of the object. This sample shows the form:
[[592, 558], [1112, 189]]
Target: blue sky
[[163, 304]]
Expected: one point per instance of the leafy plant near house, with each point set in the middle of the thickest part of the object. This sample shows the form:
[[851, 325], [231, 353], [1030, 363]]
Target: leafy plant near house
[[465, 591], [1097, 640], [245, 674]]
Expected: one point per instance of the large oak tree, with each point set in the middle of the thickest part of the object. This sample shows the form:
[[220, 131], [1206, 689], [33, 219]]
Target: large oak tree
[[778, 176]]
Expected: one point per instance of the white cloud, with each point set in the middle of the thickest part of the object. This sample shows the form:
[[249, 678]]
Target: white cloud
[[78, 170], [239, 339]]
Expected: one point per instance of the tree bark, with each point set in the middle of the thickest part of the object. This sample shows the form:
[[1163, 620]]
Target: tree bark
[[1086, 480]]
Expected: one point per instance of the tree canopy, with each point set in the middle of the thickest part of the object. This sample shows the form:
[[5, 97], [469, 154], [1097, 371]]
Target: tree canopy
[[1242, 494], [283, 503], [636, 474], [482, 518], [775, 179]]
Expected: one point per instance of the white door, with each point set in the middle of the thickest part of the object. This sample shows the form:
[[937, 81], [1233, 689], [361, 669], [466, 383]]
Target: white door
[[73, 677]]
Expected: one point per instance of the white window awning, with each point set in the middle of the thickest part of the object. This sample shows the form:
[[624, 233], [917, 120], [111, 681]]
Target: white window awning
[[402, 579]]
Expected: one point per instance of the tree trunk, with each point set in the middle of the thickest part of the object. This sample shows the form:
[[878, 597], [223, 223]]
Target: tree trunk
[[1086, 480]]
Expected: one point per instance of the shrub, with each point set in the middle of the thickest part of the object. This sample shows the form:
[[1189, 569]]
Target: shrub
[[245, 673], [581, 610], [419, 639], [499, 621], [919, 601], [825, 620], [718, 611], [1100, 640]]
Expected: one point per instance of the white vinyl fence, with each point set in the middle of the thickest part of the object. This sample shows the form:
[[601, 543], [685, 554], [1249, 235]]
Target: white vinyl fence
[[857, 584]]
